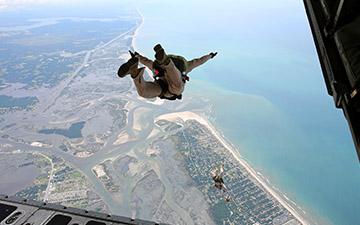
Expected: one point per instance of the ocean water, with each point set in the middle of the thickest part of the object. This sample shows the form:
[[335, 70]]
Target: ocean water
[[268, 94]]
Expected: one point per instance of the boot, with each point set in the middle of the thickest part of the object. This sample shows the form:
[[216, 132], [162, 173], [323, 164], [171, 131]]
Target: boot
[[129, 67], [160, 55]]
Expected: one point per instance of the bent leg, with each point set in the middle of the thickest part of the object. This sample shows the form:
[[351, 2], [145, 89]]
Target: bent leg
[[174, 79], [144, 88], [145, 61]]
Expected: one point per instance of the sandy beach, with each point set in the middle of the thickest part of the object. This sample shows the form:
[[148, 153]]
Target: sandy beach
[[187, 115]]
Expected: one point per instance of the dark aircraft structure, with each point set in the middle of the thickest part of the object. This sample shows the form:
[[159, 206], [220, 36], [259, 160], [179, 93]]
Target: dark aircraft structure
[[335, 25], [17, 211]]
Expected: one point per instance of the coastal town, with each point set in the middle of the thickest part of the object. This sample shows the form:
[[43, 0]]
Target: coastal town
[[250, 203]]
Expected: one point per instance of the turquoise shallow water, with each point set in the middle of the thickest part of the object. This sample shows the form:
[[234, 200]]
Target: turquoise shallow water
[[314, 168], [268, 95]]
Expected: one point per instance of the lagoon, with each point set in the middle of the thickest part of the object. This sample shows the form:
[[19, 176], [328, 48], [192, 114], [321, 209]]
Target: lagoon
[[74, 130]]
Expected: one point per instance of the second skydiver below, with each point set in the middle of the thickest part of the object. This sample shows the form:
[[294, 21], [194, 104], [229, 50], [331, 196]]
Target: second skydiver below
[[217, 176], [169, 71]]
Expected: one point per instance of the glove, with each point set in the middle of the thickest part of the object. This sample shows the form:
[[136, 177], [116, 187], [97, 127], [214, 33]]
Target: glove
[[133, 54], [213, 54]]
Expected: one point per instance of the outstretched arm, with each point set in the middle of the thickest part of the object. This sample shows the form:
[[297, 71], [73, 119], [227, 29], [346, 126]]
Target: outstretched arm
[[199, 61]]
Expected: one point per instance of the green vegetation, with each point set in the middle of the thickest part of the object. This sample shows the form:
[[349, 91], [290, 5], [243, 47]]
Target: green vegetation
[[11, 103]]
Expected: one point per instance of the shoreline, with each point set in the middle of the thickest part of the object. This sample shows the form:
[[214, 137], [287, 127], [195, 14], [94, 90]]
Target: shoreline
[[139, 25], [188, 115], [147, 71]]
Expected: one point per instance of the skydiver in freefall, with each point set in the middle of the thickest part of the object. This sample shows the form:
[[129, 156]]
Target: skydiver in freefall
[[170, 73], [217, 176]]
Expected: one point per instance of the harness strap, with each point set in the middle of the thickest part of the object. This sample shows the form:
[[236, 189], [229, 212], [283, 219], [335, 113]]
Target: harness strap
[[158, 72], [165, 88]]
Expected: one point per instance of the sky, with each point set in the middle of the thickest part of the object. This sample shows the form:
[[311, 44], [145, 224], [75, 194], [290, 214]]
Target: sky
[[10, 4], [7, 4]]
